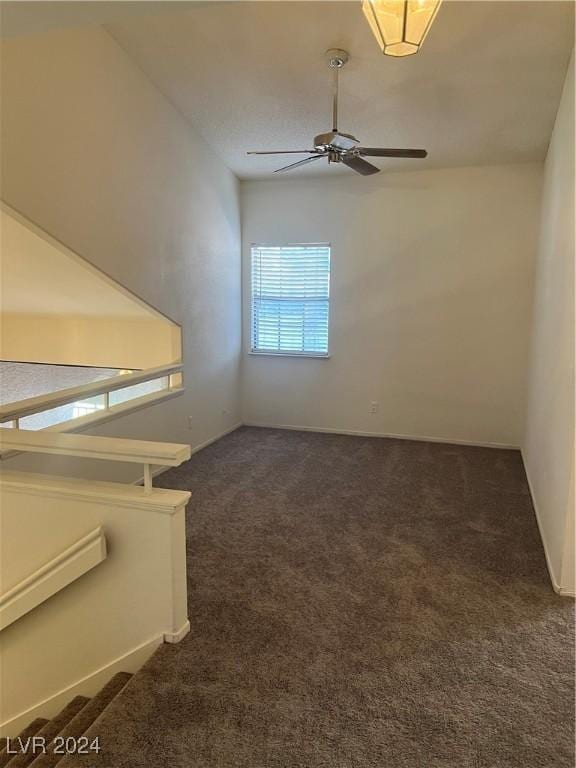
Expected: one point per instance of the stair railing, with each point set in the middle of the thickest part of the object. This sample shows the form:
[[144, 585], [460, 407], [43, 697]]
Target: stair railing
[[90, 447], [168, 377]]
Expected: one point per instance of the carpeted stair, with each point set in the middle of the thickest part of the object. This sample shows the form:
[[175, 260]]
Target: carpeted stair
[[28, 732], [71, 723]]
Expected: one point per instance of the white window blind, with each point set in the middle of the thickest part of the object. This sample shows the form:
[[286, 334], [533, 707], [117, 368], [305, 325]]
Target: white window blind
[[290, 299]]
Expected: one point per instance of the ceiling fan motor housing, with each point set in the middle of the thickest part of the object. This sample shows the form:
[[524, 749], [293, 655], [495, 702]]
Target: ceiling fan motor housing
[[335, 140]]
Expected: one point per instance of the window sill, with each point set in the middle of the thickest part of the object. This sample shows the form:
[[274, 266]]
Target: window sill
[[290, 354]]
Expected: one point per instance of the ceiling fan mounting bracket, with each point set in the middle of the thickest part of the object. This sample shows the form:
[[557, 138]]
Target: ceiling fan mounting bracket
[[336, 58]]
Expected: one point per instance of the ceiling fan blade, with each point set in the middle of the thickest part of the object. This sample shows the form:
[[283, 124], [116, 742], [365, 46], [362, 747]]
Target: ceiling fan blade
[[359, 165], [286, 152], [300, 162], [381, 152]]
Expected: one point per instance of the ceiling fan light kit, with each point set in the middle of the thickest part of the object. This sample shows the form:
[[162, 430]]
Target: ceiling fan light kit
[[400, 26], [338, 147]]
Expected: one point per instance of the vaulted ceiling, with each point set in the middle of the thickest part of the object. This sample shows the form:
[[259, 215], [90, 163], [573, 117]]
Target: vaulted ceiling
[[251, 75], [484, 89]]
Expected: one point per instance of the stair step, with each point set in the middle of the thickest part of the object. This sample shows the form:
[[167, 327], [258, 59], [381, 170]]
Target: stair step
[[50, 730], [84, 719], [30, 730]]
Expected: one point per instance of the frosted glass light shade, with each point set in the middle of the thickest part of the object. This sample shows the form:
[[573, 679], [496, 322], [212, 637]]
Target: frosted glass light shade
[[400, 26]]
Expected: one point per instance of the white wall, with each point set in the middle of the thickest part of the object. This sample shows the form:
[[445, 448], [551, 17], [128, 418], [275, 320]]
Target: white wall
[[548, 447], [96, 156], [109, 619], [430, 302]]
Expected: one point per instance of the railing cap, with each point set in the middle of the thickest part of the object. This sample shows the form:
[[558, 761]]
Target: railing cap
[[64, 396], [90, 447]]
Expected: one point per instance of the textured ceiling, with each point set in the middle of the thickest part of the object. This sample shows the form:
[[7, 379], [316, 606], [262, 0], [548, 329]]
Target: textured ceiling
[[251, 75]]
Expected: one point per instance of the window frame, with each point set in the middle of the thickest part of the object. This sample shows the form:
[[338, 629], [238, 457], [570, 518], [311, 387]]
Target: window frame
[[269, 353]]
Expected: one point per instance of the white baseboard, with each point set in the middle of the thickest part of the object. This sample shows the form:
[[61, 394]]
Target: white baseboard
[[556, 586], [359, 433], [193, 450], [175, 637], [131, 661], [215, 439]]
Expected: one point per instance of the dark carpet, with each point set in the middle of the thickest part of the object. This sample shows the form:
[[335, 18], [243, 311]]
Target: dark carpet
[[355, 602]]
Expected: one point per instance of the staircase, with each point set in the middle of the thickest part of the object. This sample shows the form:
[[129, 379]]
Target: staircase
[[44, 743]]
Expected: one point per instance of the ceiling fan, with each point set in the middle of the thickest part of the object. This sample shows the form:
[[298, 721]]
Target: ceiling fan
[[341, 147]]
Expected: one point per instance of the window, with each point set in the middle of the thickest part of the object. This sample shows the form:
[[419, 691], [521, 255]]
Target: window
[[88, 407], [290, 299]]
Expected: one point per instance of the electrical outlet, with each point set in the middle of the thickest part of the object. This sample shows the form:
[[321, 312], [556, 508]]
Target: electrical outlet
[[374, 406], [190, 422]]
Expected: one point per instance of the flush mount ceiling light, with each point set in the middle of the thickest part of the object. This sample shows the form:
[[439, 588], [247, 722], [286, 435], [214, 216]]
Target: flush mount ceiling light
[[400, 26]]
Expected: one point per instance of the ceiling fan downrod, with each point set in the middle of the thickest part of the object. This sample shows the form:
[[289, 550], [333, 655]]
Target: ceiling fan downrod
[[337, 147], [336, 58]]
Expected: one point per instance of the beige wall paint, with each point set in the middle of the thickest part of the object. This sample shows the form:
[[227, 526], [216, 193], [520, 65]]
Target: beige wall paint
[[108, 342], [96, 156], [40, 275], [548, 447], [56, 307], [430, 302]]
